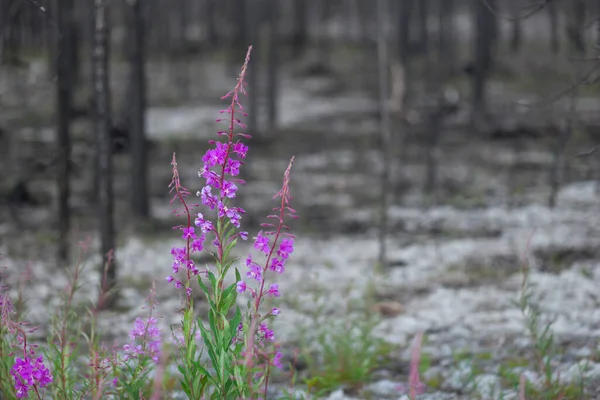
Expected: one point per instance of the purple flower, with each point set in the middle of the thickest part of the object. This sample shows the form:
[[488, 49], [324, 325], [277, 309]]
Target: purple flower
[[286, 248], [198, 244], [233, 167], [275, 311], [274, 290], [204, 225], [240, 149], [255, 272], [267, 333], [229, 189], [262, 243], [277, 265], [241, 287], [147, 339], [208, 199], [188, 233], [277, 360], [28, 373], [178, 254]]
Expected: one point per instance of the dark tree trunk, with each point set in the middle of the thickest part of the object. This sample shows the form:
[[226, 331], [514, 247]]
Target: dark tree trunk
[[597, 33], [385, 128], [446, 33], [273, 65], [64, 92], [403, 48], [241, 22], [552, 8], [576, 21], [423, 31], [139, 160], [482, 57], [516, 36], [251, 37], [102, 130], [211, 23], [404, 11], [323, 44], [300, 34]]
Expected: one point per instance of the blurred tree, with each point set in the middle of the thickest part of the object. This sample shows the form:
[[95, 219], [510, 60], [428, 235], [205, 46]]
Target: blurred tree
[[102, 130], [552, 8], [516, 27], [483, 43], [423, 38], [300, 29], [383, 63], [402, 70], [322, 45], [10, 35], [576, 25], [251, 37], [446, 33], [273, 65], [64, 91], [140, 203], [211, 8]]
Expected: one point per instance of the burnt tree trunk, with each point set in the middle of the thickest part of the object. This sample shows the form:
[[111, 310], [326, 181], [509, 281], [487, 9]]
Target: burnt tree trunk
[[385, 128], [102, 131], [446, 33], [423, 30], [552, 8], [516, 35], [211, 23], [251, 37], [64, 94], [482, 57], [140, 204], [403, 50], [300, 33], [273, 66], [576, 20]]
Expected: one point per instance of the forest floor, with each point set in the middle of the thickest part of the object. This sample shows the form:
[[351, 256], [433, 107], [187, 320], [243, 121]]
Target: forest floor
[[456, 255]]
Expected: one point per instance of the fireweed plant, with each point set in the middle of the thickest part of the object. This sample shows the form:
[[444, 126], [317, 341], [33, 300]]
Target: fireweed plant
[[241, 347]]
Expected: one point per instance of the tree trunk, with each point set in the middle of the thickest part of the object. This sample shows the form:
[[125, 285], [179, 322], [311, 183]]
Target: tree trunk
[[64, 100], [273, 65], [446, 33], [423, 31], [552, 8], [575, 23], [138, 145], [402, 68], [252, 37], [516, 37], [482, 57], [300, 34], [102, 131], [385, 128], [211, 23]]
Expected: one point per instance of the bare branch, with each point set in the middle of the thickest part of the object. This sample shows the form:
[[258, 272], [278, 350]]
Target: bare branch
[[535, 9], [588, 152], [564, 92]]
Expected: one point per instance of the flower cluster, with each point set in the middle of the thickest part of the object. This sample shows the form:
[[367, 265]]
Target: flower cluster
[[148, 336], [223, 162], [29, 373], [221, 167], [145, 334], [275, 260], [182, 260], [276, 251]]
